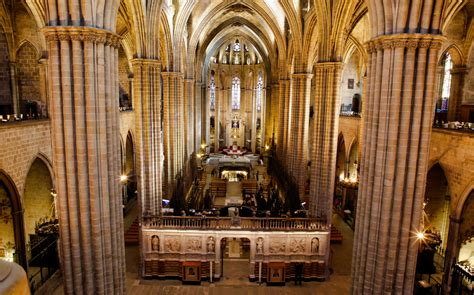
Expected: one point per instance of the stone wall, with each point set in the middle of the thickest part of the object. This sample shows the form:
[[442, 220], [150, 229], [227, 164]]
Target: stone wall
[[351, 129], [450, 148], [5, 88], [28, 73], [22, 142], [127, 124], [453, 151], [351, 71]]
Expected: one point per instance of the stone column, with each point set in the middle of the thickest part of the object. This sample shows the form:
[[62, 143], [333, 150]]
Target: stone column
[[455, 96], [14, 87], [325, 131], [217, 265], [451, 252], [283, 124], [252, 258], [199, 121], [173, 127], [398, 114], [83, 87], [254, 116], [263, 119], [217, 112], [146, 89], [43, 81], [272, 108], [189, 117], [298, 131]]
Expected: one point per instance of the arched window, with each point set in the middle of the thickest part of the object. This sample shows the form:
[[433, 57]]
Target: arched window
[[259, 91], [212, 92], [236, 93], [442, 104], [237, 46]]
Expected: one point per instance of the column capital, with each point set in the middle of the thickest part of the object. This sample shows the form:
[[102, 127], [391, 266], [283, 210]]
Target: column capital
[[455, 219], [411, 41], [301, 76], [172, 74], [329, 64], [80, 33], [43, 61], [146, 61], [459, 70]]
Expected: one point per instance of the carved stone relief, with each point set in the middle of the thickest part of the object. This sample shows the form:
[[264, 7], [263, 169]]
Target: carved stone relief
[[172, 245], [297, 245], [194, 244]]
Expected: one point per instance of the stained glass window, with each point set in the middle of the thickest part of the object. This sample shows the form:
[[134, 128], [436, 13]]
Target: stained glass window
[[237, 46], [212, 93], [235, 93], [259, 92], [446, 88]]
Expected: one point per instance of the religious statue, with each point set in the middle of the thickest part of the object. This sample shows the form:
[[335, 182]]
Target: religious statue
[[315, 245], [210, 244], [260, 246], [155, 243]]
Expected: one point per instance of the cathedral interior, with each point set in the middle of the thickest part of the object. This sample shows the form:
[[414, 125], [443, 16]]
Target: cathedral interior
[[198, 143]]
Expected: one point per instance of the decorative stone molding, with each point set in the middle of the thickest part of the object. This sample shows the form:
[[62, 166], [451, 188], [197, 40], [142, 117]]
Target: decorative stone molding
[[298, 245], [172, 244], [411, 41], [147, 62], [82, 34], [193, 244], [277, 246]]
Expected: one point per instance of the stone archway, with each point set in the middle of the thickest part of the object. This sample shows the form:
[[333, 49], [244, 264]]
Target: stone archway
[[129, 169], [11, 211], [462, 250], [38, 197], [437, 200], [41, 224], [235, 260], [340, 174]]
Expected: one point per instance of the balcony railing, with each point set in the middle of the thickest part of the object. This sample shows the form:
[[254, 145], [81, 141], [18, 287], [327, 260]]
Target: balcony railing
[[232, 223]]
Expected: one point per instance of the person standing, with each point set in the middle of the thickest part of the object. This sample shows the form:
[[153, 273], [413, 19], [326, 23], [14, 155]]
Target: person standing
[[298, 273]]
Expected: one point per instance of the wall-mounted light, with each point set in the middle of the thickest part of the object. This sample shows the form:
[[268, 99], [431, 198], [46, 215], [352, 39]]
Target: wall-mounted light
[[123, 178], [420, 235], [54, 194]]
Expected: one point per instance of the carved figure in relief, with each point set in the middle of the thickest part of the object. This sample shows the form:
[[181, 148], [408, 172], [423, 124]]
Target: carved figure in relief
[[155, 243], [260, 246], [172, 245], [297, 245], [194, 245], [210, 244], [277, 247], [315, 246]]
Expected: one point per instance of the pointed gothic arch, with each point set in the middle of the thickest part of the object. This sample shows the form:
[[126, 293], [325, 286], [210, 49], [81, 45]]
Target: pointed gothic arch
[[9, 187]]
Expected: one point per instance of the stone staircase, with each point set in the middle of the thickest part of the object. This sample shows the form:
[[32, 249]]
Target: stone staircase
[[131, 234], [336, 235]]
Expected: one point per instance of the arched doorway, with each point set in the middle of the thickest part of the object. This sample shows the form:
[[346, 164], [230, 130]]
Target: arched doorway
[[129, 171], [41, 223], [435, 224], [12, 244], [437, 209], [340, 175], [235, 260], [461, 280]]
